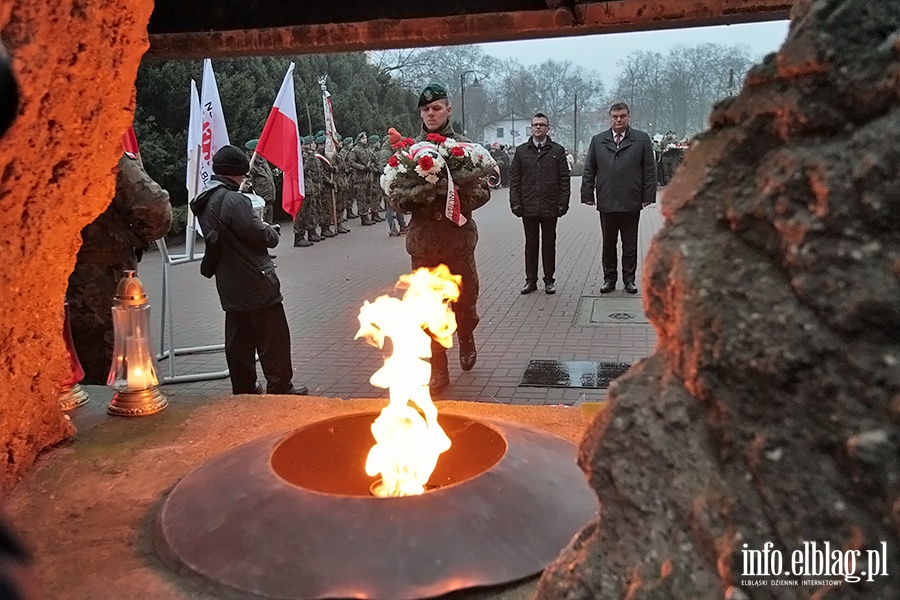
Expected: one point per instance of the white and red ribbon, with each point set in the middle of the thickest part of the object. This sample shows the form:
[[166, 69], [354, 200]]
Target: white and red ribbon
[[451, 207]]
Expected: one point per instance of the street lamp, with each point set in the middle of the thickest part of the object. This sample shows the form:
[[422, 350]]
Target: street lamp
[[462, 89]]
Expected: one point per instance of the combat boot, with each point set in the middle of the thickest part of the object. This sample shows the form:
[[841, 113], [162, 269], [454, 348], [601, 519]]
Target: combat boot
[[313, 236], [467, 351], [376, 218], [351, 214], [342, 229], [440, 371], [300, 240], [327, 232], [365, 220]]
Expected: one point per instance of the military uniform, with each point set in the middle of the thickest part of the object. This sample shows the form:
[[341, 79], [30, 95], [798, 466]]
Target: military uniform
[[432, 240], [262, 182], [307, 218], [138, 214], [361, 163], [327, 210], [345, 190]]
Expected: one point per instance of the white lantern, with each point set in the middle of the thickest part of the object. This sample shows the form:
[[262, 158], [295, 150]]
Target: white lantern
[[132, 374]]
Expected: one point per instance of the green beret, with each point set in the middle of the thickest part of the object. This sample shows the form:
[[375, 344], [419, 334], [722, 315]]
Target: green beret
[[320, 139], [307, 139], [348, 140], [431, 92], [361, 135], [251, 144], [374, 139]]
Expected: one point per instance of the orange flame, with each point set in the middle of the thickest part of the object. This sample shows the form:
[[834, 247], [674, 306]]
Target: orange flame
[[408, 438]]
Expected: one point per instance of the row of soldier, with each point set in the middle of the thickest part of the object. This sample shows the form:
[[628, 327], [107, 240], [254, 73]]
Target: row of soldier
[[332, 186]]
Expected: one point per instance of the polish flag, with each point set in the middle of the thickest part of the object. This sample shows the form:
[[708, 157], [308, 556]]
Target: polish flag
[[213, 133], [279, 143], [130, 144]]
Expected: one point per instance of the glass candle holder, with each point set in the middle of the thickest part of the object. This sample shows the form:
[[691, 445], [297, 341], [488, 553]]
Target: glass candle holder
[[132, 375]]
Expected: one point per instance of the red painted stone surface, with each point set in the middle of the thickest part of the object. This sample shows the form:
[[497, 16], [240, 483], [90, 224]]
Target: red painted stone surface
[[76, 62]]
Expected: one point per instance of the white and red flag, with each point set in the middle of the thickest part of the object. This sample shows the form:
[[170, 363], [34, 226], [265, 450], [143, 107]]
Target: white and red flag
[[330, 130], [279, 143], [213, 133]]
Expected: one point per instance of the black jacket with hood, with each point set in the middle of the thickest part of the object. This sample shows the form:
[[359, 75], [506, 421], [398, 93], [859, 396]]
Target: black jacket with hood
[[245, 274]]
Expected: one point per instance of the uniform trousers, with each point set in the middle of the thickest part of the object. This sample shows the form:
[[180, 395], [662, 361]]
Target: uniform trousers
[[263, 331], [612, 224]]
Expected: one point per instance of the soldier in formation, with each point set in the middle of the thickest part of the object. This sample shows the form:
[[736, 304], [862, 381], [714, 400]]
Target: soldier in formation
[[138, 214], [262, 181], [361, 162], [305, 221]]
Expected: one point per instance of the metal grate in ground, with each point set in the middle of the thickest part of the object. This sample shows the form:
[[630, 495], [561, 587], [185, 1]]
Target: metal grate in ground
[[605, 310], [571, 373]]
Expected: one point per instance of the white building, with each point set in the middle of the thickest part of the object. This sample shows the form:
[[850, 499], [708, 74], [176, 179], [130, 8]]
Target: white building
[[511, 130]]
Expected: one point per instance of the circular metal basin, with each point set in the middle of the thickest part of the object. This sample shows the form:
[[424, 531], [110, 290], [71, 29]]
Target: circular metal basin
[[290, 516]]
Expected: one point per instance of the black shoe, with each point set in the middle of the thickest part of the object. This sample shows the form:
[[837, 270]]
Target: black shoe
[[630, 288], [440, 372], [607, 287], [292, 391], [550, 288], [529, 287], [467, 352], [258, 390]]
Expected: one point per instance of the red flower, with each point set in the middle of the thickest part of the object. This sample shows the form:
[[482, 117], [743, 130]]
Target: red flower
[[392, 161], [407, 142], [436, 138], [426, 163], [457, 151]]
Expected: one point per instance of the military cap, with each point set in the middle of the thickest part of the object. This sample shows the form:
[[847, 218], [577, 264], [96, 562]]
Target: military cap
[[320, 132], [433, 91], [251, 144], [230, 160], [374, 138], [362, 134], [320, 139], [348, 140]]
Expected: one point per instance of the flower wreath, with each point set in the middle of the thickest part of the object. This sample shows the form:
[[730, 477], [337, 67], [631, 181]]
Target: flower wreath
[[420, 173]]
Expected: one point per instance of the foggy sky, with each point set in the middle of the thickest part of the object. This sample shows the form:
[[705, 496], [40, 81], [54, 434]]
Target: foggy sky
[[602, 52]]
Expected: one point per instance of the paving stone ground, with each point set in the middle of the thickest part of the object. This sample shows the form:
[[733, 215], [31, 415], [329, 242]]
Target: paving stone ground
[[325, 285]]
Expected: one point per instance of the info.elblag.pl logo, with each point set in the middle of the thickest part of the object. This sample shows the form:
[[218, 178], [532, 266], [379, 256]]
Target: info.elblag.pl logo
[[815, 560]]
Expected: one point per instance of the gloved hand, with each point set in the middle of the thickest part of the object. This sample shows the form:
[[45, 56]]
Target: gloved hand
[[563, 210], [518, 211]]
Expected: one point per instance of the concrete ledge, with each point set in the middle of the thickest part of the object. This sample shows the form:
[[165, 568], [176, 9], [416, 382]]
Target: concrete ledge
[[87, 506]]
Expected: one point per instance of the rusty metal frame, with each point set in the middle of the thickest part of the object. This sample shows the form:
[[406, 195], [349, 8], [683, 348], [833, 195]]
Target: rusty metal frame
[[585, 18]]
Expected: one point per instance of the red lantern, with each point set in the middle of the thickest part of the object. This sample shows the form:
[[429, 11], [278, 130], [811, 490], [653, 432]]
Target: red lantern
[[71, 394]]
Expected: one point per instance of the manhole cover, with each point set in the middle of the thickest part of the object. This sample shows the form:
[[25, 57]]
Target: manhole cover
[[601, 310], [571, 373]]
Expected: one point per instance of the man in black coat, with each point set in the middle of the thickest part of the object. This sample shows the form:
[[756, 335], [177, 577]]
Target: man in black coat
[[539, 195], [620, 166], [248, 287]]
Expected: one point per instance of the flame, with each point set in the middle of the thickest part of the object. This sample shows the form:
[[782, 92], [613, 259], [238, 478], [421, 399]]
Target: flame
[[408, 438]]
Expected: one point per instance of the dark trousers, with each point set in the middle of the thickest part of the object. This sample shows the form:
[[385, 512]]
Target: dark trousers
[[540, 231], [611, 225], [465, 308], [263, 331]]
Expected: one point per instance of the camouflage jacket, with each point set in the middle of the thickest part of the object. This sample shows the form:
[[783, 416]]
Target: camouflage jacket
[[361, 162], [262, 179], [138, 214]]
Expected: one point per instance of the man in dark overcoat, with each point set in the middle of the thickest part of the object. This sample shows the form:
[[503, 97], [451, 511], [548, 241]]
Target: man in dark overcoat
[[620, 168]]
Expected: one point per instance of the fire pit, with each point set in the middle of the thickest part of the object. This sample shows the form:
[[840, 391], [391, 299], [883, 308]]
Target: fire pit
[[401, 504], [291, 516]]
